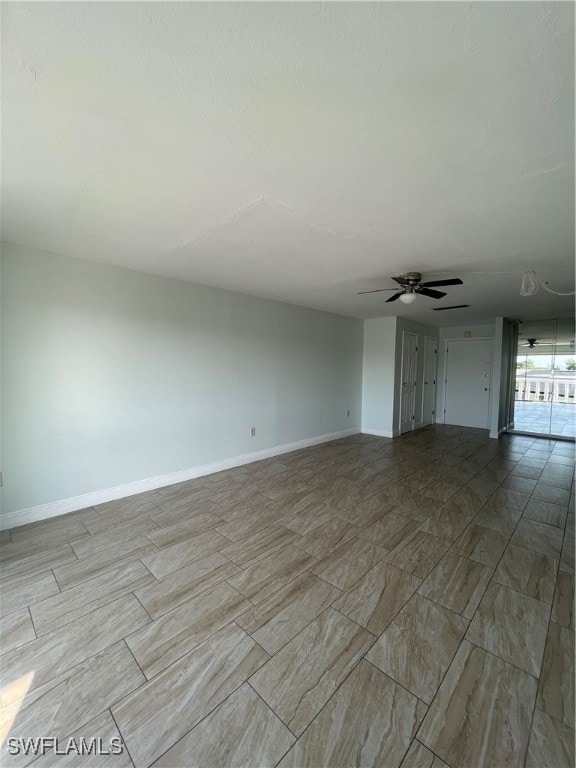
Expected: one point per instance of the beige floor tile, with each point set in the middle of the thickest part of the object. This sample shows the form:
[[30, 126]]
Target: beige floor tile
[[109, 520], [419, 756], [465, 502], [278, 619], [567, 556], [418, 553], [349, 498], [170, 513], [94, 565], [233, 495], [551, 743], [505, 497], [556, 691], [527, 572], [376, 598], [483, 545], [523, 470], [503, 621], [164, 594], [538, 537], [173, 533], [517, 483], [102, 728], [544, 512], [62, 706], [374, 482], [482, 713], [61, 609], [419, 507], [195, 488], [26, 590], [30, 565], [445, 523], [441, 490], [109, 537], [259, 545], [247, 526], [327, 537], [16, 629], [154, 717], [138, 504], [12, 554], [284, 614], [498, 518], [241, 508], [177, 632], [313, 518], [457, 583], [389, 530], [551, 494], [365, 512], [176, 556], [50, 533], [299, 501], [563, 607], [59, 651], [259, 581], [558, 479], [403, 651], [301, 677], [369, 721], [348, 563], [241, 732]]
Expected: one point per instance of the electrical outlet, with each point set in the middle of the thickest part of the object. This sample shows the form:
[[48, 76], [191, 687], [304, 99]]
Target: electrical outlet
[[347, 414], [252, 431]]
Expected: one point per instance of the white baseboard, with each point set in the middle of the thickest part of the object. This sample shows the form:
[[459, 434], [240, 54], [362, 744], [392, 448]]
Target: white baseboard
[[61, 507], [379, 433]]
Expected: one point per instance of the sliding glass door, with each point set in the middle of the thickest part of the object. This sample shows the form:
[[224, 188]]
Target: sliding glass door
[[546, 379]]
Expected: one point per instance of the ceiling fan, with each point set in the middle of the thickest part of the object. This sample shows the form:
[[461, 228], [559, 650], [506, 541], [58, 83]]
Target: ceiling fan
[[531, 343], [411, 286]]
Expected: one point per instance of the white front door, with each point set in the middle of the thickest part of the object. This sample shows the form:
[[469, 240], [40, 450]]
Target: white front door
[[408, 381], [429, 385], [467, 383]]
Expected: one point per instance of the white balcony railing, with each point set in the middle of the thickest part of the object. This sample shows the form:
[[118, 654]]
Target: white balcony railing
[[534, 388]]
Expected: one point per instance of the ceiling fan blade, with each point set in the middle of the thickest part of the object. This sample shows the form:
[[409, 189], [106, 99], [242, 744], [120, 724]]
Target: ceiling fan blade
[[450, 281], [377, 290], [428, 292], [396, 296]]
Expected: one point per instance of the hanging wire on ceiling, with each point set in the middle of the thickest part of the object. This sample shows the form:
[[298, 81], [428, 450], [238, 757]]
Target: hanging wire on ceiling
[[531, 282]]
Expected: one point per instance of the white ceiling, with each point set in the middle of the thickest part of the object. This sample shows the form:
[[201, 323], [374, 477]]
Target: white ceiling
[[299, 151]]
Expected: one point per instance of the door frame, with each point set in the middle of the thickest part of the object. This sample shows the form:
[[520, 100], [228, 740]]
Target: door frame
[[445, 374], [437, 342], [404, 335]]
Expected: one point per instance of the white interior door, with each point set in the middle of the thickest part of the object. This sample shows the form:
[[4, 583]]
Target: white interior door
[[429, 384], [408, 385], [467, 384]]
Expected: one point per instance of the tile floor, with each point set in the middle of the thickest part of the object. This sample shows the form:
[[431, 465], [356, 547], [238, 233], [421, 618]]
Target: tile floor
[[545, 418], [367, 602]]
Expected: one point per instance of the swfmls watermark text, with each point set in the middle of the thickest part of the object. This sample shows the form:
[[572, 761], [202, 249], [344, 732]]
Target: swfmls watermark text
[[43, 745]]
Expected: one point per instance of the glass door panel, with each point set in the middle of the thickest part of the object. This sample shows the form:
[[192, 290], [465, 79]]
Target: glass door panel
[[546, 378]]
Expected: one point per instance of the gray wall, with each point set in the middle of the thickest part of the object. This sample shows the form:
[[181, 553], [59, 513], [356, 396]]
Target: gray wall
[[111, 376], [378, 380]]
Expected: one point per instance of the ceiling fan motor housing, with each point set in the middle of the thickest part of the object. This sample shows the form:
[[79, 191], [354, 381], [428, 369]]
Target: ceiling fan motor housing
[[411, 278]]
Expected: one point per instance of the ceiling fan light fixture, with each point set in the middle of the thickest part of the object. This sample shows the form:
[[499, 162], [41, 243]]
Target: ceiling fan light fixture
[[408, 298]]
